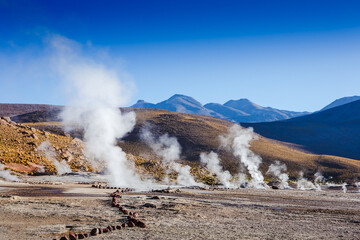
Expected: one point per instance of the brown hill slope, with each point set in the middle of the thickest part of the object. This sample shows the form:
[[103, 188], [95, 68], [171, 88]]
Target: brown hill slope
[[18, 149], [10, 109], [198, 134]]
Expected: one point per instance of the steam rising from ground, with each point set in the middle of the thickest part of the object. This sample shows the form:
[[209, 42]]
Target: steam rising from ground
[[95, 94], [169, 149], [319, 179], [304, 184], [278, 170], [344, 188], [212, 162], [6, 174], [357, 184], [48, 151], [238, 140]]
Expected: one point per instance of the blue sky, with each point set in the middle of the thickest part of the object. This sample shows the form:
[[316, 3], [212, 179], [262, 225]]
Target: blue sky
[[295, 55]]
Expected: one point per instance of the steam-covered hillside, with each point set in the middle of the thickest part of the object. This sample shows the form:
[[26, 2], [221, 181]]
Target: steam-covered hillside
[[197, 134]]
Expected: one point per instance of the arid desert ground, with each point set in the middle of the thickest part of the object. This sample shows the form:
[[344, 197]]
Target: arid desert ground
[[51, 211]]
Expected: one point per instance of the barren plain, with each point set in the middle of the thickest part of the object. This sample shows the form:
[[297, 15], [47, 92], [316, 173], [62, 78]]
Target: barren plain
[[45, 211]]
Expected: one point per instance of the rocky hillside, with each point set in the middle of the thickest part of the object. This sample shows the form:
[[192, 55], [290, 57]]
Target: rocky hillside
[[19, 149]]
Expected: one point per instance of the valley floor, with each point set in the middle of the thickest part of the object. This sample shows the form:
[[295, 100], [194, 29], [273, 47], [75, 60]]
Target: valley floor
[[34, 211]]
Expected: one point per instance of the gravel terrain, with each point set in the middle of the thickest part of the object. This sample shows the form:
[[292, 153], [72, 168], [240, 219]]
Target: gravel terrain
[[38, 211]]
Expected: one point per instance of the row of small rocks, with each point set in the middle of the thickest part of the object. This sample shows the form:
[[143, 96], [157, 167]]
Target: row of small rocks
[[108, 187], [132, 221], [167, 190], [45, 183]]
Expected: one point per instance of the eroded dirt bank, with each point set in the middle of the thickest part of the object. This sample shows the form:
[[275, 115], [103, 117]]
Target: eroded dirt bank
[[30, 211]]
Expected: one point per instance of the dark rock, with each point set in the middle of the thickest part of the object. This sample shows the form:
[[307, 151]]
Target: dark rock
[[273, 183], [32, 144], [64, 238], [149, 205], [123, 225], [81, 236], [86, 235], [105, 230], [72, 236], [100, 230], [155, 197], [118, 227], [131, 224], [244, 185], [141, 224], [94, 232]]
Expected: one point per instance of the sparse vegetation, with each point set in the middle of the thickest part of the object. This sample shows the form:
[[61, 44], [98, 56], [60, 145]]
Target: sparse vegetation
[[18, 149]]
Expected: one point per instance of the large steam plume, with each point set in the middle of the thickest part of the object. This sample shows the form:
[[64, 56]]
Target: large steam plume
[[238, 140], [95, 94], [169, 149], [212, 162]]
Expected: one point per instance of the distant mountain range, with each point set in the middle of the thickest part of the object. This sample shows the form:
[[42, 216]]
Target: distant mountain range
[[341, 101], [242, 110], [335, 131]]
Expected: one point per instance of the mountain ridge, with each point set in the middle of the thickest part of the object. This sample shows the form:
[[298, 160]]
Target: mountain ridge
[[335, 131], [341, 101], [242, 110]]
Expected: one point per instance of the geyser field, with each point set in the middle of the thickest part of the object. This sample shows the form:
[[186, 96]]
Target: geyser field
[[33, 211], [172, 197], [91, 169]]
